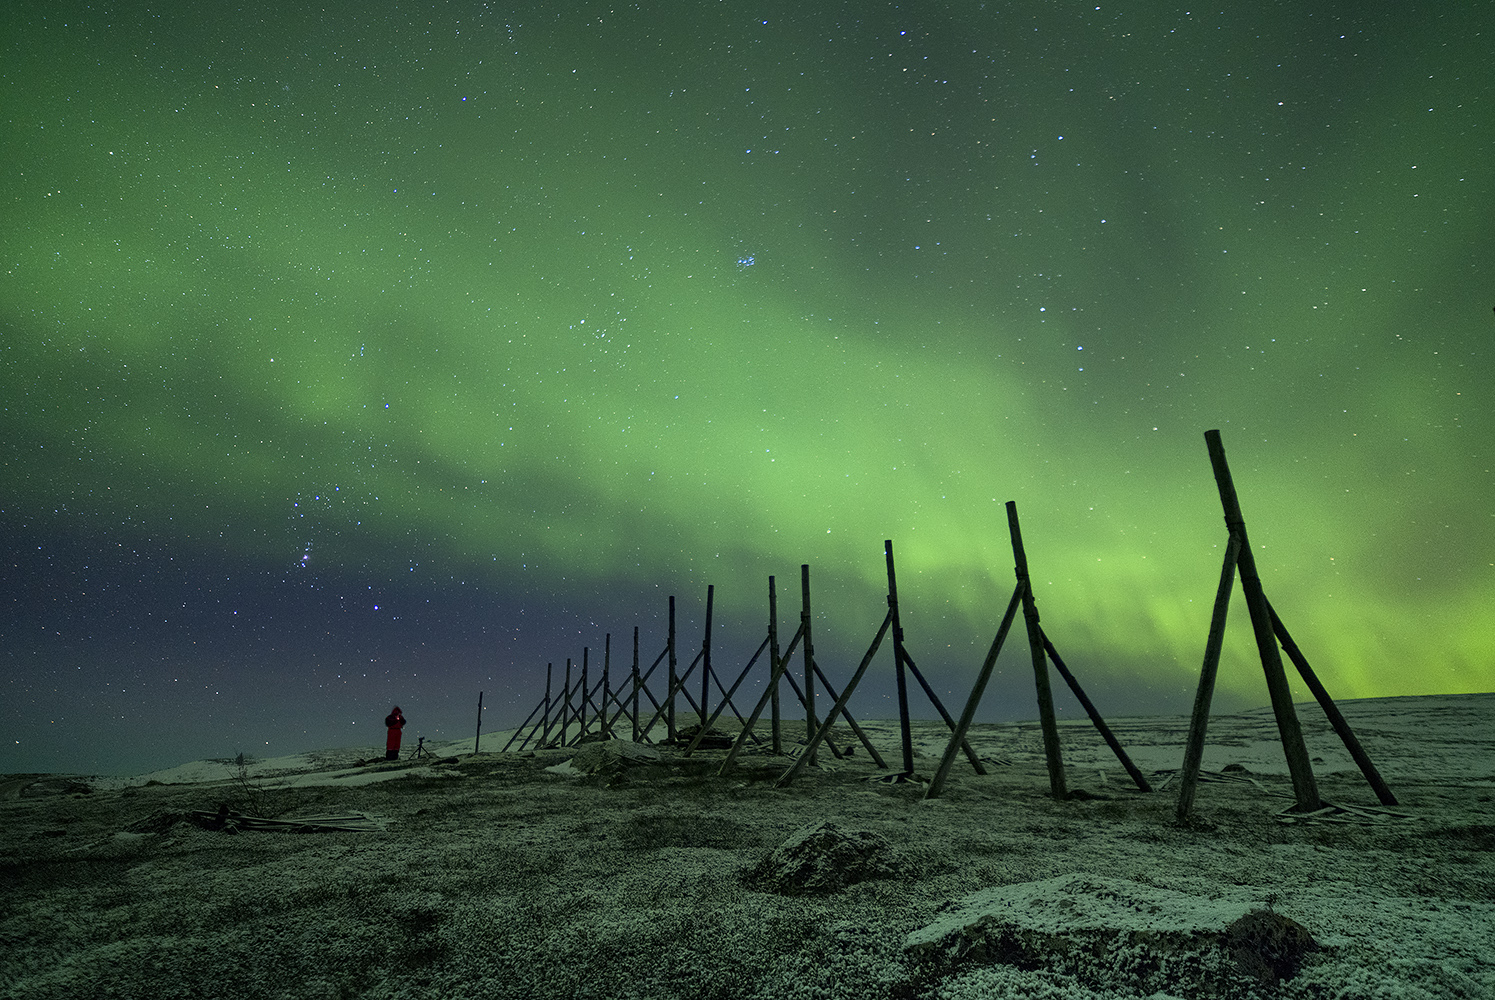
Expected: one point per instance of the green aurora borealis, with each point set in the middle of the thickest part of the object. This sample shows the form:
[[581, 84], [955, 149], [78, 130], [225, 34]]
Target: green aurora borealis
[[409, 349]]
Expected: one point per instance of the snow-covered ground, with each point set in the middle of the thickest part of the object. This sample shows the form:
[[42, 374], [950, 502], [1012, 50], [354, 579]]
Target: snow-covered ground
[[499, 875]]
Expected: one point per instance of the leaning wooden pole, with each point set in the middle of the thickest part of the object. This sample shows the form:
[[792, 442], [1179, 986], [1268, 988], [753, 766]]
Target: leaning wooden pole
[[1300, 769], [1040, 659], [898, 655], [968, 715], [1199, 723], [939, 707], [726, 702], [1095, 717], [1337, 720], [669, 716], [809, 654], [585, 693], [840, 706], [635, 684], [565, 705], [850, 721], [607, 691], [533, 712]]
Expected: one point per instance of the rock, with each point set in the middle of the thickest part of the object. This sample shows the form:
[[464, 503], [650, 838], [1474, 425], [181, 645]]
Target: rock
[[612, 757], [821, 858], [714, 739], [1268, 946], [1114, 934]]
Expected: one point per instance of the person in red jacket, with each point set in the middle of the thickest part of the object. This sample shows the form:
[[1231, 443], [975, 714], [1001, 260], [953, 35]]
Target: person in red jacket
[[395, 720]]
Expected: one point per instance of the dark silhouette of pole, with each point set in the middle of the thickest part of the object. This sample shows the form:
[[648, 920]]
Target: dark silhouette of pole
[[706, 655], [669, 716], [1300, 769], [1040, 659], [635, 684], [809, 654], [968, 715], [478, 737], [1341, 726], [774, 666], [898, 655], [1199, 723]]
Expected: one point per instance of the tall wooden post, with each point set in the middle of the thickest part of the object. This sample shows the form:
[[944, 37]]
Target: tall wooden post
[[566, 703], [636, 684], [706, 656], [1040, 659], [774, 666], [545, 719], [585, 693], [898, 657], [607, 691], [477, 738], [669, 715], [811, 726], [1300, 769]]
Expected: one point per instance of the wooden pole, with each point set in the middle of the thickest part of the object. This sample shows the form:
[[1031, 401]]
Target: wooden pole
[[1095, 717], [566, 704], [799, 693], [669, 718], [478, 738], [533, 712], [898, 655], [544, 732], [968, 714], [726, 701], [706, 654], [940, 707], [846, 714], [585, 693], [773, 683], [1300, 769], [840, 706], [1199, 723], [635, 683], [1341, 726], [607, 693], [809, 654], [1040, 659], [774, 667]]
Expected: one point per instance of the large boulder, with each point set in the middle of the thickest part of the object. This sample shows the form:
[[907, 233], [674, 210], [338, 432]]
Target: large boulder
[[822, 858], [1111, 933], [612, 757]]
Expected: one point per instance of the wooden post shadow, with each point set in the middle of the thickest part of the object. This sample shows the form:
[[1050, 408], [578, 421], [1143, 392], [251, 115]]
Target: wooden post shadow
[[1043, 652], [1269, 631]]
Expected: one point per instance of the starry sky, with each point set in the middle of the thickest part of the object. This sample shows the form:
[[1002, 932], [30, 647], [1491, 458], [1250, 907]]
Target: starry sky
[[357, 354]]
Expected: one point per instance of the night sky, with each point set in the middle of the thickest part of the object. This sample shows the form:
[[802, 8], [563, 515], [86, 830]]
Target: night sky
[[361, 354]]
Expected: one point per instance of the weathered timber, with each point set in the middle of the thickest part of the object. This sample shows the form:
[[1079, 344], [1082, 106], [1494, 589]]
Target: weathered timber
[[840, 706], [1046, 720], [905, 731], [968, 715], [1095, 717], [1199, 722], [1299, 767], [1337, 720]]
